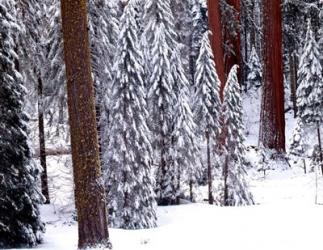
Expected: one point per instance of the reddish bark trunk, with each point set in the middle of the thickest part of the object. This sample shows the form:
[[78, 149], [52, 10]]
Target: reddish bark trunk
[[89, 190], [216, 39], [272, 127]]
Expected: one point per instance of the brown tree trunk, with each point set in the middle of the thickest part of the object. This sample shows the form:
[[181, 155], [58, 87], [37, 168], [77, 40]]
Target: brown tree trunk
[[52, 152], [89, 190], [253, 30], [272, 127], [225, 183], [293, 81], [244, 67], [191, 191], [42, 146], [235, 57], [320, 145], [209, 169], [216, 39], [163, 201]]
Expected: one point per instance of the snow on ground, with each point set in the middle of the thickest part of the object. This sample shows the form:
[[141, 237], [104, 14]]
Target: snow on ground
[[286, 217], [251, 110]]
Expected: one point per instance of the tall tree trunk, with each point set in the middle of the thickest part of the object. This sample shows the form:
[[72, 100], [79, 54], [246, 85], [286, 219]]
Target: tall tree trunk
[[235, 57], [89, 190], [209, 169], [244, 69], [253, 29], [225, 182], [163, 201], [191, 191], [61, 110], [272, 127], [178, 187], [42, 146], [320, 145], [293, 81], [215, 25]]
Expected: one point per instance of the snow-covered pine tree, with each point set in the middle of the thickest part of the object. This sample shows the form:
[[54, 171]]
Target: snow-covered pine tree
[[233, 190], [298, 146], [129, 179], [207, 104], [159, 43], [310, 86], [181, 10], [231, 23], [258, 25], [55, 85], [252, 96], [158, 14], [254, 77], [104, 31], [140, 7], [182, 16], [247, 35], [33, 64], [320, 42], [199, 27], [310, 82], [33, 51], [183, 131], [20, 224]]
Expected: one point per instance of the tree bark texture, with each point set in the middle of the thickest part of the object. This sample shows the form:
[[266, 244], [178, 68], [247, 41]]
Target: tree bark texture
[[225, 182], [320, 145], [52, 152], [272, 125], [191, 191], [293, 81], [209, 170], [42, 145], [246, 56], [89, 190], [216, 39]]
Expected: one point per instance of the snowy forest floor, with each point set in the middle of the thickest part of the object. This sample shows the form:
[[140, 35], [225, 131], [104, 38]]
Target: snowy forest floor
[[284, 218]]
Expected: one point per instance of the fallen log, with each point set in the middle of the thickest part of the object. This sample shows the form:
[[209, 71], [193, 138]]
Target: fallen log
[[53, 152]]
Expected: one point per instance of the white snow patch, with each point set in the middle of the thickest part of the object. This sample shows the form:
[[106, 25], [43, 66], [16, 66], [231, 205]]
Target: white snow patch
[[287, 218]]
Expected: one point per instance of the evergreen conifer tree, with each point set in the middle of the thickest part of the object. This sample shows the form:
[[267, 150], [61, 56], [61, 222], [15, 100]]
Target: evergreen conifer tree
[[33, 51], [183, 131], [233, 190], [298, 146], [104, 31], [254, 77], [20, 224], [320, 42], [55, 102], [310, 85], [128, 172], [181, 10], [199, 27], [159, 43], [33, 64], [207, 104]]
